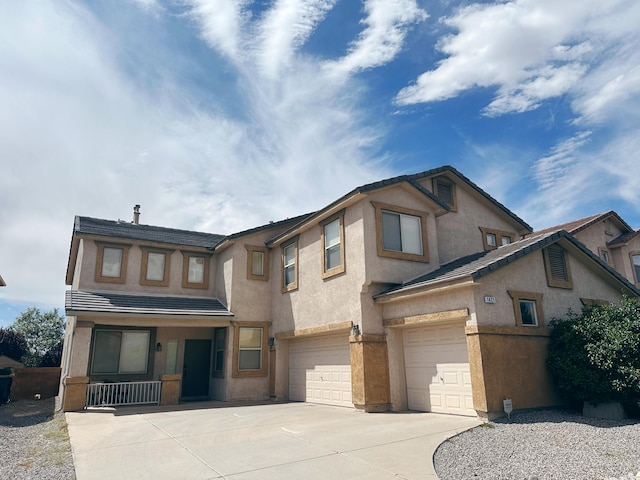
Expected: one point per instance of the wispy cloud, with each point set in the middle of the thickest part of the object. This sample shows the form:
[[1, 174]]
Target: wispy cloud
[[221, 24], [95, 140], [386, 26], [284, 28]]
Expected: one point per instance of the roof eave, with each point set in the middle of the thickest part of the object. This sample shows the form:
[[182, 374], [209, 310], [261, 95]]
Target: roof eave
[[427, 288]]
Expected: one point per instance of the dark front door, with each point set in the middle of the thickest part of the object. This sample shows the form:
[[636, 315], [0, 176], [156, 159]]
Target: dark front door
[[195, 369]]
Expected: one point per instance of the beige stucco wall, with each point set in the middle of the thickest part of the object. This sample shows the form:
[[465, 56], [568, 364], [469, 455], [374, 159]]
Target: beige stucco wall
[[391, 270], [528, 275], [78, 266], [248, 299], [87, 281], [319, 301], [458, 231]]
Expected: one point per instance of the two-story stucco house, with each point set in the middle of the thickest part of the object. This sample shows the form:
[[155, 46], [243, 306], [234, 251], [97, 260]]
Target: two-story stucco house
[[419, 292]]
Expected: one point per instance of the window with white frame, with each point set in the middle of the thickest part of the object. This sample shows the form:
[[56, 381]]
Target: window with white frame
[[635, 261], [219, 351], [528, 312], [491, 236], [111, 262], [250, 348], [332, 247], [290, 266], [401, 232], [155, 266], [527, 307], [120, 351], [257, 262], [195, 270]]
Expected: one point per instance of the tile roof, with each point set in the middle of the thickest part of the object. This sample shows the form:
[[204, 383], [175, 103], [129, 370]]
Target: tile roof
[[412, 180], [580, 224], [624, 238], [110, 228], [482, 263], [135, 304]]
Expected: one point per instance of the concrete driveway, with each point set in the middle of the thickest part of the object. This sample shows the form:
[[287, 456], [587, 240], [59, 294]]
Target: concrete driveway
[[272, 441]]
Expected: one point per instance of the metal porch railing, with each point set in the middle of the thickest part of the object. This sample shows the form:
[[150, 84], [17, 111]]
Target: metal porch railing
[[123, 393]]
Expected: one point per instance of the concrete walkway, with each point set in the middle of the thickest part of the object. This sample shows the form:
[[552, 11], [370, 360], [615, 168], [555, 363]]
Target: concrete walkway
[[274, 441]]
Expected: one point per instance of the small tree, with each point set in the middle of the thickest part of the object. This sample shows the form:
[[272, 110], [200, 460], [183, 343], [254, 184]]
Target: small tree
[[12, 344], [594, 356], [42, 332]]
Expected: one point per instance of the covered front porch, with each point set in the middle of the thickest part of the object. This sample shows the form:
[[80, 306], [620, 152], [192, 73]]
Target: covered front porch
[[163, 353]]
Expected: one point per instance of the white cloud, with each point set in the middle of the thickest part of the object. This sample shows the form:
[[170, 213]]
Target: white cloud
[[79, 134], [221, 23], [387, 24], [284, 28], [517, 46], [559, 163]]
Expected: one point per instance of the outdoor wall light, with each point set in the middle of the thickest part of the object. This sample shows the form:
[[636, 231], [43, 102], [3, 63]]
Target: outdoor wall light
[[158, 347], [272, 341]]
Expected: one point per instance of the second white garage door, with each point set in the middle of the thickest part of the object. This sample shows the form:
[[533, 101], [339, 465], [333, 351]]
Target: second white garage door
[[437, 370], [320, 371]]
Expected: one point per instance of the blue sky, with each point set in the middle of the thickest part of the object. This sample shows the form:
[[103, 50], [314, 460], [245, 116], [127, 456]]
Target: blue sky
[[222, 115]]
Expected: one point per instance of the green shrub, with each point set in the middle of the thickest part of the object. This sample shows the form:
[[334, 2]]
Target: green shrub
[[595, 356]]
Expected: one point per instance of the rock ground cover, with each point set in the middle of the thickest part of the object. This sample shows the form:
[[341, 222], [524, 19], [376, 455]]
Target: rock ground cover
[[34, 442]]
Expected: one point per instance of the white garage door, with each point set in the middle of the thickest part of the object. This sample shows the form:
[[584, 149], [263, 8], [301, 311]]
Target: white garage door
[[320, 371], [437, 370]]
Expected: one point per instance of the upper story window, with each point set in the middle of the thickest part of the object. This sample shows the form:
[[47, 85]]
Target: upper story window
[[155, 267], [290, 266], [527, 307], [111, 262], [492, 238], [195, 270], [401, 232], [557, 267], [445, 190], [333, 247], [257, 263], [635, 262]]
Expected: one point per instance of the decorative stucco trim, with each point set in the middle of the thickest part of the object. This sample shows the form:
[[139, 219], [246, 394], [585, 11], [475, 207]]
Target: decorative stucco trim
[[507, 330], [320, 330], [428, 318]]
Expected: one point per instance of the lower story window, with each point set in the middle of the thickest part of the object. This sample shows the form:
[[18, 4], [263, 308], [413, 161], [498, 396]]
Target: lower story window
[[250, 348], [120, 351], [528, 312], [527, 308]]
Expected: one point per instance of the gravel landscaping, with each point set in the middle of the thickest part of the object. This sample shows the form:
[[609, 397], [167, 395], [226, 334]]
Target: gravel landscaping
[[543, 444], [34, 443]]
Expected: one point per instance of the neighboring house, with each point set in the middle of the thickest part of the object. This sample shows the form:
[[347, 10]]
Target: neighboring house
[[7, 362], [419, 292], [612, 239]]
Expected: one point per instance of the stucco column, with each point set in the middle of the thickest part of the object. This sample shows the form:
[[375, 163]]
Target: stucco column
[[370, 373], [75, 394], [170, 394], [79, 363]]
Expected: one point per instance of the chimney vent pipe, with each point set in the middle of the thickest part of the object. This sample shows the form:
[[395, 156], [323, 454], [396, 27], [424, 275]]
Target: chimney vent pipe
[[136, 214]]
